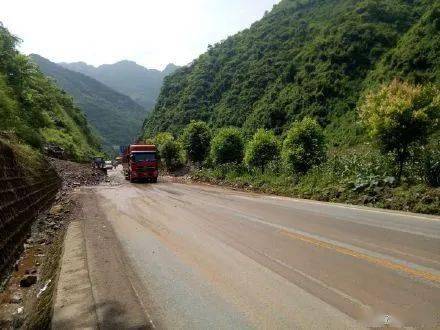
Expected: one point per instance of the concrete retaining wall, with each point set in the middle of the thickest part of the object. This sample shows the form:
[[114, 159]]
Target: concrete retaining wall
[[22, 198]]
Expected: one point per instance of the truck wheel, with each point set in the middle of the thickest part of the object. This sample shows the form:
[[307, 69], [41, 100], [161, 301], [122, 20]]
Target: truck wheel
[[154, 180], [131, 179]]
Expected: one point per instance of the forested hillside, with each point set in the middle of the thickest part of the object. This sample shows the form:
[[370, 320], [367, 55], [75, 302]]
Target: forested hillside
[[141, 84], [116, 117], [305, 57], [36, 112], [335, 100]]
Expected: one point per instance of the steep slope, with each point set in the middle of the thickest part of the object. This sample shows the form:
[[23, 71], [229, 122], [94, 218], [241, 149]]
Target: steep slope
[[34, 110], [305, 57], [127, 77], [116, 117]]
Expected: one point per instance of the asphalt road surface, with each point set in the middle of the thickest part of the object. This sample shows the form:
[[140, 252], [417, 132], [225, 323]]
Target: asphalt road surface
[[199, 257]]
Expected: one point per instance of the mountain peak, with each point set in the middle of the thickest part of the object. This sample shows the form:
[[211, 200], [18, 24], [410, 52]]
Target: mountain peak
[[170, 68]]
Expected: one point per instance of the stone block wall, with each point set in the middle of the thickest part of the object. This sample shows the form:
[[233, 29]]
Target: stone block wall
[[22, 198]]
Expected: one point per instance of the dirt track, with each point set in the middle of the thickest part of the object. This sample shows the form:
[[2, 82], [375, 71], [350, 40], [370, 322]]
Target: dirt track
[[193, 256]]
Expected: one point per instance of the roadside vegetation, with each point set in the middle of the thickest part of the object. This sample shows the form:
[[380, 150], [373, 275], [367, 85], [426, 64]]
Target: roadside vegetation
[[34, 112], [397, 167], [333, 100]]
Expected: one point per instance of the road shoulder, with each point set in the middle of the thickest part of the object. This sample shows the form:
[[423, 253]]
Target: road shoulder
[[94, 288], [74, 302]]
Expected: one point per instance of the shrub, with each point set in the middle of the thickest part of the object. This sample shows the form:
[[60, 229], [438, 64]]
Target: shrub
[[227, 146], [196, 139], [304, 146], [170, 152], [161, 138], [399, 117], [432, 167], [262, 149]]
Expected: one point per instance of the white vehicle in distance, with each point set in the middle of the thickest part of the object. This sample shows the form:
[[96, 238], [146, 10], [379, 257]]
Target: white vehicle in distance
[[108, 165]]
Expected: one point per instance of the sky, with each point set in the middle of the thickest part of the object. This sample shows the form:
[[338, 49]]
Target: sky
[[152, 33]]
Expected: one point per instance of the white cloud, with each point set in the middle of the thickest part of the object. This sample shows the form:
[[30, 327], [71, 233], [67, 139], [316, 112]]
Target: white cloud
[[150, 32]]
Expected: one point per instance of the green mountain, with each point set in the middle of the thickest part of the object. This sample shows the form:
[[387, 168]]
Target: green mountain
[[116, 117], [305, 57], [34, 110], [127, 77]]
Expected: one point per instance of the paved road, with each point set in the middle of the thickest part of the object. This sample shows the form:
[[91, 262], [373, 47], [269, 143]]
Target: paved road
[[198, 256]]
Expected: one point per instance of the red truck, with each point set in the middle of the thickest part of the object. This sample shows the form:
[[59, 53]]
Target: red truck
[[140, 163]]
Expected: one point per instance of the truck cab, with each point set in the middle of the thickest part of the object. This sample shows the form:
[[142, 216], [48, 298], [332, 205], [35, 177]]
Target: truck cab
[[140, 163]]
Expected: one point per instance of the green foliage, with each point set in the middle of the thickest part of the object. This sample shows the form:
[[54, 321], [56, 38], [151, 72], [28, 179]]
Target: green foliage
[[416, 56], [196, 140], [34, 109], [116, 117], [262, 149], [432, 166], [317, 59], [161, 138], [399, 117], [304, 146], [357, 176], [170, 152], [227, 146], [304, 58]]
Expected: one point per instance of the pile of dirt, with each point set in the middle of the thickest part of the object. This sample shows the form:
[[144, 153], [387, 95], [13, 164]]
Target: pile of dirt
[[21, 298], [75, 174]]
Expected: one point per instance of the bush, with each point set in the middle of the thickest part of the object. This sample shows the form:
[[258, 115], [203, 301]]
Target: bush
[[196, 139], [432, 167], [227, 146], [160, 139], [399, 117], [262, 149], [304, 146], [170, 152]]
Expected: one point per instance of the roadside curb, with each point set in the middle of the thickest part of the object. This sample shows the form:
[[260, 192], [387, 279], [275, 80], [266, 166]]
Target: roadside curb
[[74, 304]]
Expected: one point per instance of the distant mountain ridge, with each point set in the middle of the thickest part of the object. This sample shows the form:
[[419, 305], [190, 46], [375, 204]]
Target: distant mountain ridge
[[127, 77], [115, 116]]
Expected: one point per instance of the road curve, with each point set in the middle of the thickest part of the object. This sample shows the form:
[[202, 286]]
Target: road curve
[[207, 257]]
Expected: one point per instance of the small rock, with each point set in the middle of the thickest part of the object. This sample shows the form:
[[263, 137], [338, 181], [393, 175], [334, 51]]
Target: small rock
[[365, 199], [390, 180], [32, 270], [56, 209], [28, 280], [377, 190], [16, 298]]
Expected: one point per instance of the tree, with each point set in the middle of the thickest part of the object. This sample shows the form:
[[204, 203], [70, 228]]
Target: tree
[[262, 149], [196, 140], [399, 117], [227, 146], [170, 152], [304, 146], [162, 137]]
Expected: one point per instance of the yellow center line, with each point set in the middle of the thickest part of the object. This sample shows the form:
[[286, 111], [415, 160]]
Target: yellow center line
[[378, 261]]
